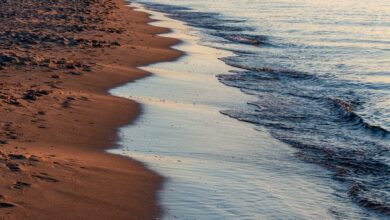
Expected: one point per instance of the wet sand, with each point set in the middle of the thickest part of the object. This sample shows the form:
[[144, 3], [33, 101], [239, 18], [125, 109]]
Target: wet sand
[[57, 61]]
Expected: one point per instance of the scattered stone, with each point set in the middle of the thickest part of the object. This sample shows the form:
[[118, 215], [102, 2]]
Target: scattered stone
[[21, 185], [14, 102], [17, 156], [34, 158], [33, 94], [66, 104], [14, 167]]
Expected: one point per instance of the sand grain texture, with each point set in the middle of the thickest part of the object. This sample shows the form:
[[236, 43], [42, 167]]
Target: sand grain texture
[[57, 61]]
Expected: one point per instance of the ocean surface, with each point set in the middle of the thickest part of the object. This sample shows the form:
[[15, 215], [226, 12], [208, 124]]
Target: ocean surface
[[315, 77]]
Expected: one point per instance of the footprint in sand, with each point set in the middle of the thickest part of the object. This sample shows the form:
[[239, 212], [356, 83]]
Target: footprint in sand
[[21, 185], [45, 177], [6, 205]]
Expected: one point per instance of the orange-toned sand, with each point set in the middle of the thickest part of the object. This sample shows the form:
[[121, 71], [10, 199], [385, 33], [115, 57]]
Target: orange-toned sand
[[58, 58]]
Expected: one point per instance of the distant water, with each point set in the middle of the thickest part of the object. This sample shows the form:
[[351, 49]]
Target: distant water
[[320, 75]]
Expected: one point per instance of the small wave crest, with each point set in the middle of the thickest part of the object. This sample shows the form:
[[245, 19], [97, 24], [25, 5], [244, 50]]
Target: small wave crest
[[275, 72], [348, 113], [326, 130], [255, 40]]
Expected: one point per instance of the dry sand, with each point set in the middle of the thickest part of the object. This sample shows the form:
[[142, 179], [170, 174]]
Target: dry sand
[[58, 58]]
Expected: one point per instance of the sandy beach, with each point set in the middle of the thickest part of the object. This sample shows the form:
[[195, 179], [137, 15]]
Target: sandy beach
[[57, 61]]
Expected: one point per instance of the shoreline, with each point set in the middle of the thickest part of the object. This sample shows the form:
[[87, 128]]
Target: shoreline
[[202, 152], [58, 162]]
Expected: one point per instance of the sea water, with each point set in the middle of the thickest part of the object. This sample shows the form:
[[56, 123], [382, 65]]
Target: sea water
[[301, 133]]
